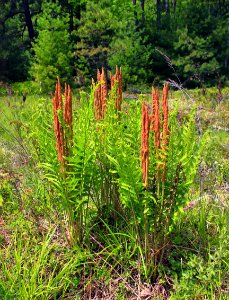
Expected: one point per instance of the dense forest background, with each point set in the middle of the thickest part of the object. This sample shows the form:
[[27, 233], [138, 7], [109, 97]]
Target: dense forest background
[[184, 40]]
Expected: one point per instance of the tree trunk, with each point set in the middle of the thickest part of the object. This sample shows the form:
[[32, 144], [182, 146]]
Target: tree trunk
[[71, 25], [135, 13], [174, 6], [226, 59], [143, 11], [166, 5], [28, 19], [158, 13]]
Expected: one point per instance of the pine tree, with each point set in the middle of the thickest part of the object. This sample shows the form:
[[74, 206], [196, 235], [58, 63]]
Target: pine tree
[[52, 47]]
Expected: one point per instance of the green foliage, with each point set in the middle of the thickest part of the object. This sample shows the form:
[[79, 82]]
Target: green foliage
[[6, 194], [37, 274], [205, 272], [196, 57], [128, 51], [25, 88], [50, 38], [214, 158], [96, 28], [200, 279], [197, 52], [52, 47]]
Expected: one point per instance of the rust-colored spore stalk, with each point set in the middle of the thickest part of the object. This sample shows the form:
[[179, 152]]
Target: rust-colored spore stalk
[[160, 128], [100, 95], [155, 117], [145, 143], [57, 108], [165, 132], [62, 113], [101, 92], [117, 79]]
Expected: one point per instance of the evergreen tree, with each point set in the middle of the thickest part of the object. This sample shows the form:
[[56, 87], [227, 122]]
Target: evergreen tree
[[138, 35], [200, 45], [52, 47], [96, 28], [129, 52]]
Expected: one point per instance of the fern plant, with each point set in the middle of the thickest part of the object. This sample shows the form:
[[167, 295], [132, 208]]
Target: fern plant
[[103, 180], [154, 208]]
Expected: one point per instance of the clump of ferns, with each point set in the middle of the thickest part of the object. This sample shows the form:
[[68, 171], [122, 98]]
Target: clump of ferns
[[169, 159]]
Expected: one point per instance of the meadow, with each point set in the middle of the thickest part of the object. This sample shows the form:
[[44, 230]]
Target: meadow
[[109, 195]]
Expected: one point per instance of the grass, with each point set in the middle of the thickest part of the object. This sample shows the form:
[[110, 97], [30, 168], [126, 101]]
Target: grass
[[32, 269], [38, 259]]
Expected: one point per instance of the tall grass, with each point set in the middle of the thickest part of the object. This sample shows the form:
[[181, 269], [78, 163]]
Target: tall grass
[[37, 274]]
